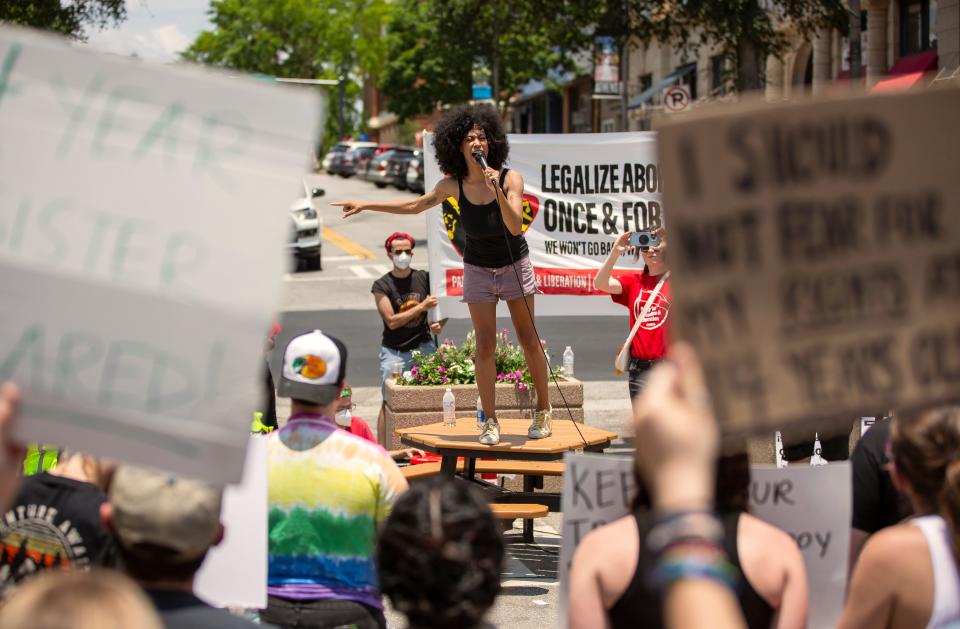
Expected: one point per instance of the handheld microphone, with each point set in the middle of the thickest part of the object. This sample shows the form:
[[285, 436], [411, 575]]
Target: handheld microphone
[[477, 155]]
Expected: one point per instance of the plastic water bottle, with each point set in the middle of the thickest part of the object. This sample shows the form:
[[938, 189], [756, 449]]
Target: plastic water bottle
[[481, 416], [568, 362], [449, 408]]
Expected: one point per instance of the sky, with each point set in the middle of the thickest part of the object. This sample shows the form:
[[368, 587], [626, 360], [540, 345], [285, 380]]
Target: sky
[[154, 29]]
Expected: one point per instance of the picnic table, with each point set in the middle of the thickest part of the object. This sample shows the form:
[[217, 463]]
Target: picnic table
[[452, 442]]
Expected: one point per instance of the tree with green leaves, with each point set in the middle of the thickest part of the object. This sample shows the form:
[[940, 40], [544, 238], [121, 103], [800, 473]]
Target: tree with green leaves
[[68, 17], [433, 46], [747, 31], [305, 39]]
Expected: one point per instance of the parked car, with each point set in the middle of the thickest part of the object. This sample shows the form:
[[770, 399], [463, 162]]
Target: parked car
[[415, 173], [333, 161], [379, 170], [398, 168], [346, 163], [304, 245], [363, 166]]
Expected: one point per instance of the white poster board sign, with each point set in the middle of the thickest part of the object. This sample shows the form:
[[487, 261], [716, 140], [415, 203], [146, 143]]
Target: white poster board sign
[[234, 573], [581, 191], [597, 489], [142, 231], [812, 504]]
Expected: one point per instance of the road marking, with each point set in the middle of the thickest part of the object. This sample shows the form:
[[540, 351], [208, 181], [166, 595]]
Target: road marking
[[360, 271], [351, 247], [382, 269], [338, 258]]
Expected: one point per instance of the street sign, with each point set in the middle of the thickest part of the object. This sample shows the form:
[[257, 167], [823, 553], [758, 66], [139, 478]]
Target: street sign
[[677, 98]]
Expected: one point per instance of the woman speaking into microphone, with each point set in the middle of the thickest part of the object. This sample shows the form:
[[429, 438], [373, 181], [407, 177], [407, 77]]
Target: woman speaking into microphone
[[471, 149]]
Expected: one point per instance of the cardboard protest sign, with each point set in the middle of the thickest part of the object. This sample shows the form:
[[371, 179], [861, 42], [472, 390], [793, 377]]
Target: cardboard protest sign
[[581, 191], [812, 504], [142, 230], [234, 574], [597, 489], [815, 250]]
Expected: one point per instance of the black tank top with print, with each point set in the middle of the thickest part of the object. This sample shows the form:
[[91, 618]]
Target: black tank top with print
[[483, 225]]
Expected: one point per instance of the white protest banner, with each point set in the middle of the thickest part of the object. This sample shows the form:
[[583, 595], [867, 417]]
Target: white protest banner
[[597, 489], [812, 504], [581, 191], [234, 574], [142, 228], [815, 250]]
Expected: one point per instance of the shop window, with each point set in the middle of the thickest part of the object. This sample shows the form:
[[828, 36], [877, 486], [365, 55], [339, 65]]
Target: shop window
[[917, 18]]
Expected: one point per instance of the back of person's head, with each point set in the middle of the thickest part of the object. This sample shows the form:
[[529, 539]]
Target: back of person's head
[[74, 599], [926, 453], [95, 470], [440, 555], [314, 369], [164, 524], [731, 488]]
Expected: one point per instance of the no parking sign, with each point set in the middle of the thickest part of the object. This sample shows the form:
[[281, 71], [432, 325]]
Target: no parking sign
[[677, 98]]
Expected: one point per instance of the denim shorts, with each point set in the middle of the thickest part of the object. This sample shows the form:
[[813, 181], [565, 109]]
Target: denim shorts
[[389, 356], [482, 285]]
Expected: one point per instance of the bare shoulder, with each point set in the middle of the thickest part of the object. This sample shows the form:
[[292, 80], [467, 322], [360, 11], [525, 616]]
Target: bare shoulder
[[446, 187], [767, 535], [602, 540], [513, 180], [887, 548]]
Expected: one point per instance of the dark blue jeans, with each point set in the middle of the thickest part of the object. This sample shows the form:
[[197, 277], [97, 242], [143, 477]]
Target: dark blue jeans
[[322, 614]]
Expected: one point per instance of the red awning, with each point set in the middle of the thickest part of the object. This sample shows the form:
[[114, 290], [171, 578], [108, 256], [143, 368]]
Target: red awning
[[911, 64], [899, 82]]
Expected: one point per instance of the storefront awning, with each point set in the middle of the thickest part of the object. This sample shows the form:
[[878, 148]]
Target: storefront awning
[[911, 64], [899, 82], [651, 91]]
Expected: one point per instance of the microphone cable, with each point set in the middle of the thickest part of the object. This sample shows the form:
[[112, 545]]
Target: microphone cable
[[498, 191]]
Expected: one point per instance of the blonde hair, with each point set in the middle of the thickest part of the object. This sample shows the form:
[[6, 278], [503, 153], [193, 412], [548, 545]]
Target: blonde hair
[[74, 599]]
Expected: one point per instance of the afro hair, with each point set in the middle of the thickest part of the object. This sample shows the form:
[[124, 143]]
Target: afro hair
[[453, 127]]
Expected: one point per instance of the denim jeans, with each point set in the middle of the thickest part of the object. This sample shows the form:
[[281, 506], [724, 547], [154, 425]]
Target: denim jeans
[[321, 614], [390, 356]]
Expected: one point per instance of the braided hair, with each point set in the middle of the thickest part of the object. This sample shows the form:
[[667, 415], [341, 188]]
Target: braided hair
[[440, 555]]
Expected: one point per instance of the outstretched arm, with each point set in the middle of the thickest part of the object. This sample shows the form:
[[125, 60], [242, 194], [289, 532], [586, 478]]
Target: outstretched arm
[[436, 196]]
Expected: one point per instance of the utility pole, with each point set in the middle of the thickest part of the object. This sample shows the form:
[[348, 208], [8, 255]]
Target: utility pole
[[854, 36], [342, 88]]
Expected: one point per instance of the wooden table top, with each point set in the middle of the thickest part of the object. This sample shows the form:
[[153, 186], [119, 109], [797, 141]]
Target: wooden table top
[[513, 437]]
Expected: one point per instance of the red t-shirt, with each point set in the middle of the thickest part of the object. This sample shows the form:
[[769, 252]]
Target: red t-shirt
[[361, 429], [650, 341]]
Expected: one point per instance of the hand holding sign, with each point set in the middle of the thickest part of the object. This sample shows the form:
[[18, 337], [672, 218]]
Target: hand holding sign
[[677, 435]]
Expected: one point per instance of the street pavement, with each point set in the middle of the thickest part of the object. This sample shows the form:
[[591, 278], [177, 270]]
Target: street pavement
[[337, 300]]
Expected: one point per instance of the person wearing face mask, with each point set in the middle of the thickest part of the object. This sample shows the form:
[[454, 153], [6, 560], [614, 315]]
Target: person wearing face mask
[[403, 299], [354, 425]]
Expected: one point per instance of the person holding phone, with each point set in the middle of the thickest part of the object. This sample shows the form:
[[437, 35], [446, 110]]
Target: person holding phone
[[646, 294]]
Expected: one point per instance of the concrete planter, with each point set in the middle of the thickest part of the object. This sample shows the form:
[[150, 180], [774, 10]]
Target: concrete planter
[[409, 406]]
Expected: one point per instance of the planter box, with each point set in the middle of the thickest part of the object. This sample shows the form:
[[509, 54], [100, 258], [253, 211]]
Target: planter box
[[409, 406]]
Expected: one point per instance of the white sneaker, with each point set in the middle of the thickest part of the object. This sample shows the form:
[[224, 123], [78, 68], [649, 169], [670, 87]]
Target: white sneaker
[[491, 433], [540, 426]]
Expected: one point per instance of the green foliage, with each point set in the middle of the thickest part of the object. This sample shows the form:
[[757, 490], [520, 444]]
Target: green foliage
[[454, 364], [307, 39], [68, 17], [747, 31], [433, 44]]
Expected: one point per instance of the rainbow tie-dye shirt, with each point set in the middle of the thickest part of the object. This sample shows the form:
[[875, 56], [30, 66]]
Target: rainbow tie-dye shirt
[[328, 493]]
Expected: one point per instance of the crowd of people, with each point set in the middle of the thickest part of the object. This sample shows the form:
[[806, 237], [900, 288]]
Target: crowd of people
[[85, 543]]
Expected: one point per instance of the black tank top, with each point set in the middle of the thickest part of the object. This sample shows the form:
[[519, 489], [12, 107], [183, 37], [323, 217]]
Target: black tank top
[[484, 228], [641, 607]]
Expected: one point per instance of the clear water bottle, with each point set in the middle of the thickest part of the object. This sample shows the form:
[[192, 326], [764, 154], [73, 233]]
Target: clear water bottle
[[481, 416], [568, 362], [449, 408]]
